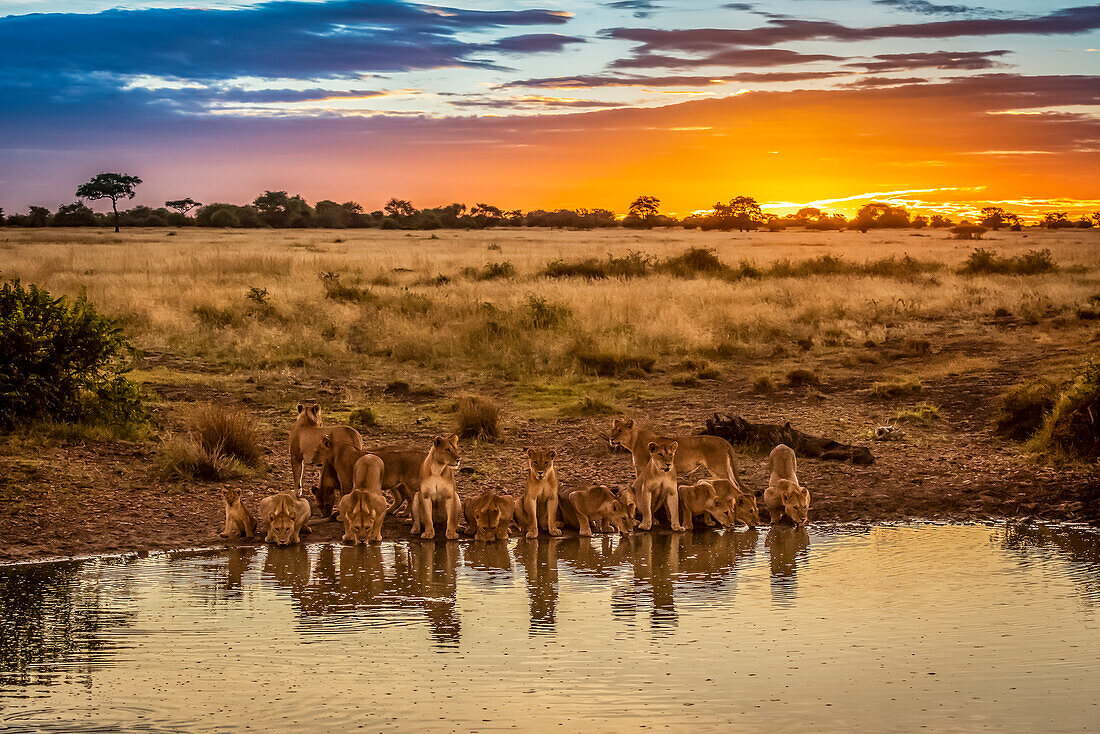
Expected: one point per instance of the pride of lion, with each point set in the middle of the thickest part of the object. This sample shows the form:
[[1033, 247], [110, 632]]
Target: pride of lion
[[422, 485]]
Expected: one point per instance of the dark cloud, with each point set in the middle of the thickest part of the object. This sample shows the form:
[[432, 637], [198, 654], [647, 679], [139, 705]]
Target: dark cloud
[[590, 81], [729, 57], [535, 43], [886, 81], [923, 7], [655, 42], [282, 38], [958, 60], [739, 6], [641, 8], [536, 103]]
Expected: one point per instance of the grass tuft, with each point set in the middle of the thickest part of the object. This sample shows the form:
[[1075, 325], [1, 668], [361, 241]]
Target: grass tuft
[[478, 418], [897, 388]]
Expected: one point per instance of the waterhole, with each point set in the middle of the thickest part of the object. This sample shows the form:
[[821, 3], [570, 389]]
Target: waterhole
[[879, 628]]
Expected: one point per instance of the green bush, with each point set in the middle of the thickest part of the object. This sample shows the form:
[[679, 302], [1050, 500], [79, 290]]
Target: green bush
[[1022, 409], [62, 361], [1032, 262], [1073, 425]]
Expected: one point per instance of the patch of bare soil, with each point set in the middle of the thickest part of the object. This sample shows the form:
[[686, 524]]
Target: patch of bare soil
[[87, 498]]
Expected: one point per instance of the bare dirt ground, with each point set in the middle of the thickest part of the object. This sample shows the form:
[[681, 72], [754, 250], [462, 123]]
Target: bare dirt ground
[[61, 498]]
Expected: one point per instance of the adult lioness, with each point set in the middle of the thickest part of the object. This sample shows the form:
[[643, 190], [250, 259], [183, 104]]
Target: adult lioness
[[541, 491], [437, 499], [702, 499], [784, 495], [741, 507], [626, 498], [355, 469], [401, 475], [286, 516], [363, 511], [581, 507], [306, 436], [712, 452], [238, 520], [656, 484], [490, 515]]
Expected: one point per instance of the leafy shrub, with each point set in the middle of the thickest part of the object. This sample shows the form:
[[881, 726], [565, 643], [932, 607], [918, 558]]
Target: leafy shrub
[[1032, 262], [491, 271], [1073, 424], [967, 231], [230, 432], [1022, 409], [632, 265], [62, 361], [364, 417], [337, 291], [540, 313], [694, 262], [478, 417]]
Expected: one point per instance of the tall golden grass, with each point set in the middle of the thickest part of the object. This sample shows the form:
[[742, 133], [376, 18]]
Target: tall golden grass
[[187, 294]]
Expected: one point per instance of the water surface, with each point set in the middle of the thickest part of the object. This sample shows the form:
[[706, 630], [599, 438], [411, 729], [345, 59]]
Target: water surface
[[954, 628]]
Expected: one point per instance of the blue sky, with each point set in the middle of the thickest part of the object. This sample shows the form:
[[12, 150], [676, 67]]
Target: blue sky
[[88, 85]]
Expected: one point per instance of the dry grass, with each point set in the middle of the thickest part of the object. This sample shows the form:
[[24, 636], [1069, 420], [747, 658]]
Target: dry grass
[[478, 418], [379, 295]]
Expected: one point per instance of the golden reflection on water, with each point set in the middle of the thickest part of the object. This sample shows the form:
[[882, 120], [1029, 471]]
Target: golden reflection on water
[[883, 628]]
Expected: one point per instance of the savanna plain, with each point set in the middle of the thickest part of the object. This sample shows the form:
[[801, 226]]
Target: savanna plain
[[520, 338]]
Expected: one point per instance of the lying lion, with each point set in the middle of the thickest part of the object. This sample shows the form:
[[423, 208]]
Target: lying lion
[[541, 492], [286, 516], [305, 438], [238, 520], [363, 511], [785, 497], [714, 453], [595, 504], [437, 498], [490, 515]]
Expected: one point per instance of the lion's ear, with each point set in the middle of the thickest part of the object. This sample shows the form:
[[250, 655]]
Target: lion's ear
[[652, 447], [628, 423], [300, 408], [454, 439], [528, 451], [674, 445], [552, 453], [315, 409], [437, 441]]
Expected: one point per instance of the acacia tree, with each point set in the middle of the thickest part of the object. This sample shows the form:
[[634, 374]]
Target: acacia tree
[[397, 208], [644, 209], [183, 205], [742, 213], [113, 186], [994, 217]]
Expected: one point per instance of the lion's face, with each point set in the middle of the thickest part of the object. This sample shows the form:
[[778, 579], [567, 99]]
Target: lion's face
[[322, 453], [486, 521], [629, 505], [232, 495], [796, 505], [540, 462], [620, 519], [311, 413], [745, 510], [281, 529], [622, 430], [662, 455], [360, 525], [445, 451]]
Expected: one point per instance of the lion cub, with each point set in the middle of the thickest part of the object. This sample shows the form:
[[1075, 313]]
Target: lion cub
[[490, 515], [541, 490], [784, 495], [238, 520], [656, 484], [437, 498], [305, 438], [581, 507], [740, 506], [286, 517], [702, 499], [363, 511]]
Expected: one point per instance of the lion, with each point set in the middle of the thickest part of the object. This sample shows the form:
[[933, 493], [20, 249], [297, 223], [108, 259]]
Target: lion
[[401, 475], [490, 515], [238, 520], [596, 503], [305, 438], [354, 469], [741, 507], [702, 499], [286, 516], [784, 495], [626, 498], [437, 498], [363, 511], [656, 483], [712, 452], [541, 490]]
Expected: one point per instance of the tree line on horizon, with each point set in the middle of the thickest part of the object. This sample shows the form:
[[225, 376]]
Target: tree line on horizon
[[278, 209]]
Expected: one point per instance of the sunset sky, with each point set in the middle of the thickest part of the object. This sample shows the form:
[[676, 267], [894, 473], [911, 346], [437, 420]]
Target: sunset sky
[[940, 107]]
